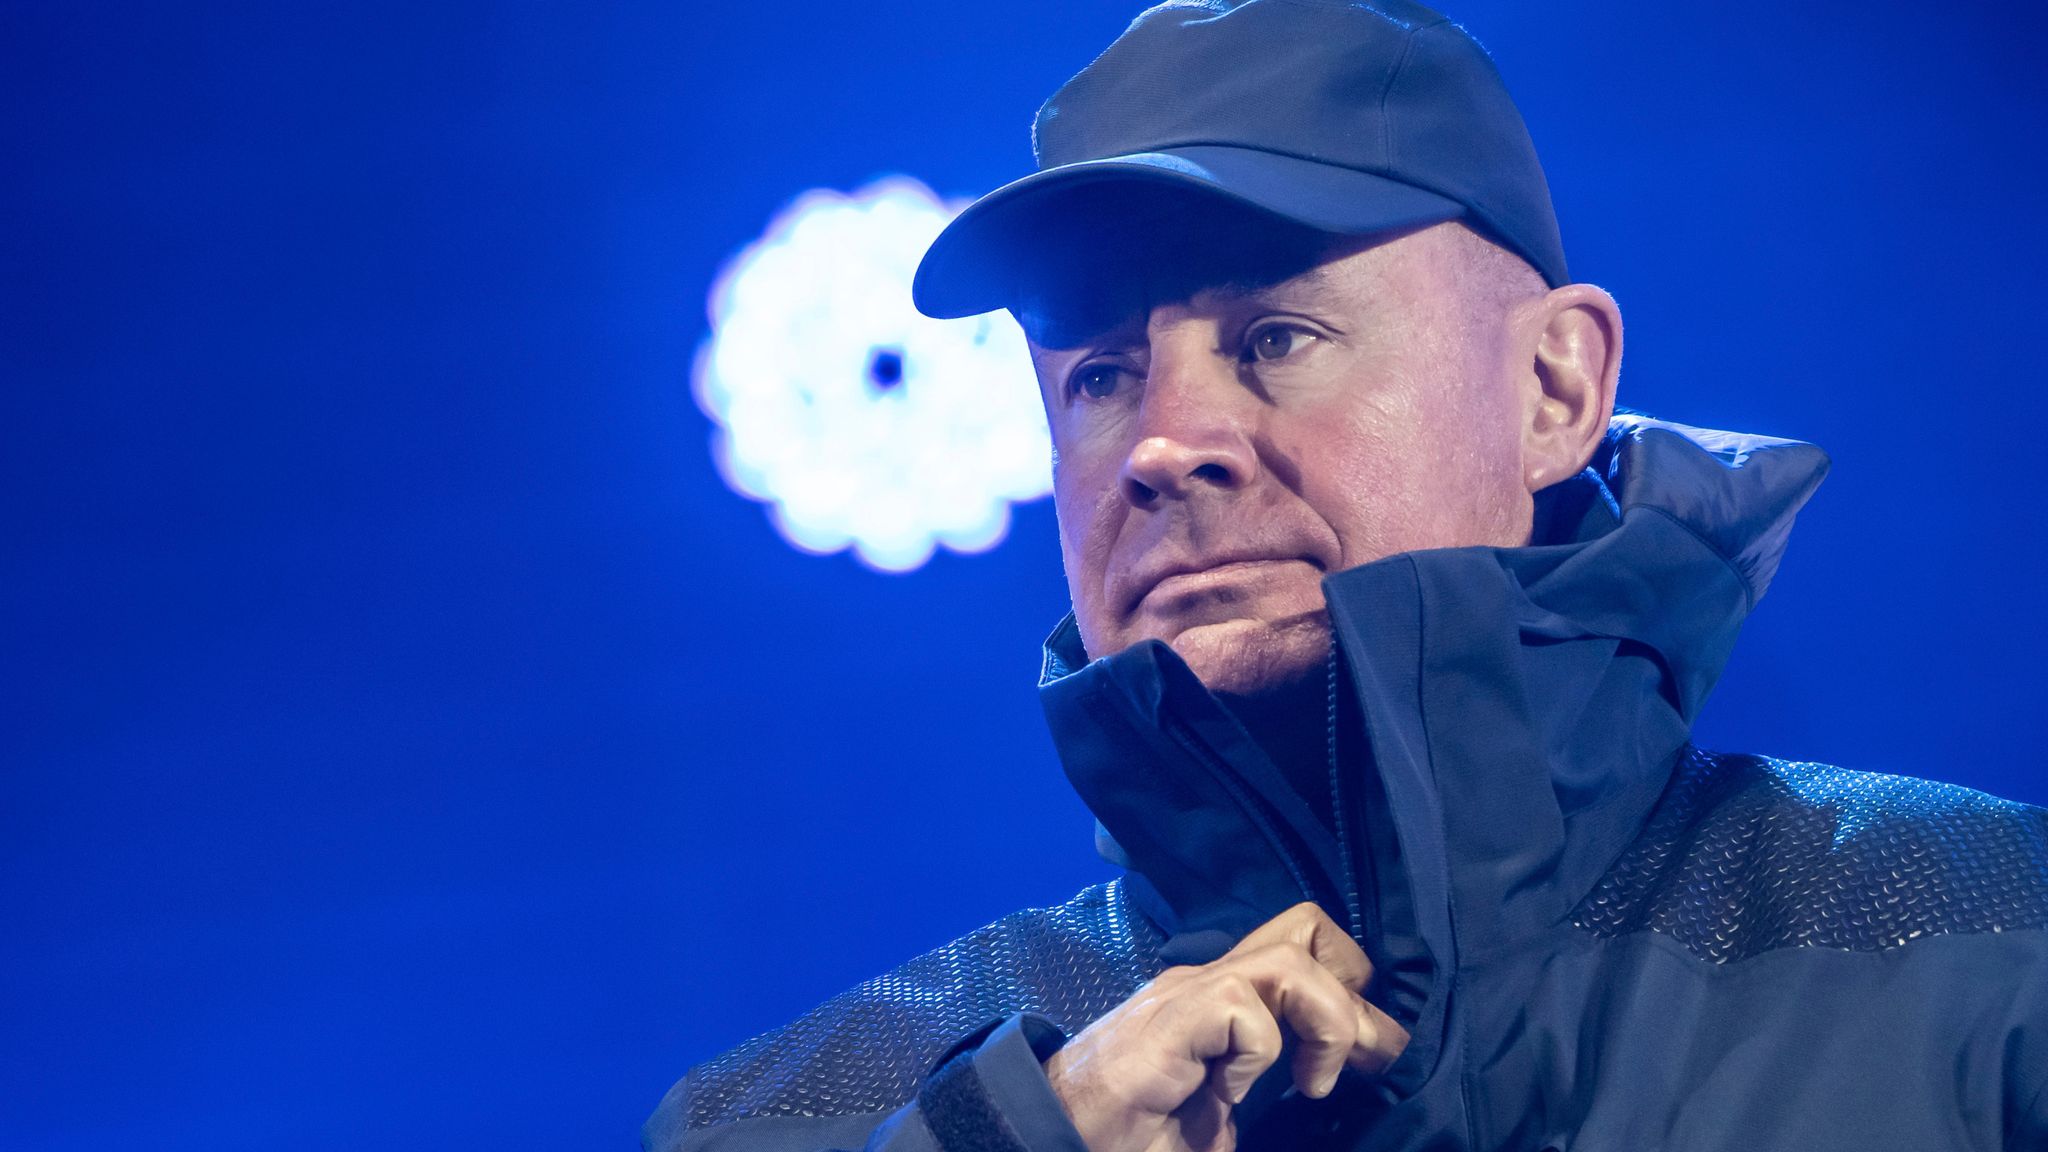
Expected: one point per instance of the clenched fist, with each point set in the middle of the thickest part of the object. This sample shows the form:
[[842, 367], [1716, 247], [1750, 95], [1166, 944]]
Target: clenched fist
[[1160, 1072]]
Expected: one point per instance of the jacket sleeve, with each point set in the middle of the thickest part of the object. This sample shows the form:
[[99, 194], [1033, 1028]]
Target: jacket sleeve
[[990, 1097]]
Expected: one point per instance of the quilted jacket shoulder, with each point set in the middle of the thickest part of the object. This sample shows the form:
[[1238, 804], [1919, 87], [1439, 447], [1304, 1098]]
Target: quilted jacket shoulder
[[867, 1049], [1747, 854]]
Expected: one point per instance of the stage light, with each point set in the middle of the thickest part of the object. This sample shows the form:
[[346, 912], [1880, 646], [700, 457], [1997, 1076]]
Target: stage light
[[863, 423]]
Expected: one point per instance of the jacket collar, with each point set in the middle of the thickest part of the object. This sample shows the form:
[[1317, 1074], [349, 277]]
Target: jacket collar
[[1522, 707]]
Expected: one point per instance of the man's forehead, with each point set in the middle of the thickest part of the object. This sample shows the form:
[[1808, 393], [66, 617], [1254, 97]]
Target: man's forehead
[[1119, 249], [1092, 311], [1083, 303]]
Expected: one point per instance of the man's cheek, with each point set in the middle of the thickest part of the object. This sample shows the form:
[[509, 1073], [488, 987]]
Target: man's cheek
[[1368, 505], [1084, 553]]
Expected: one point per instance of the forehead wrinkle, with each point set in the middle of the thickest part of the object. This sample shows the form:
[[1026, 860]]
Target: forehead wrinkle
[[1251, 288]]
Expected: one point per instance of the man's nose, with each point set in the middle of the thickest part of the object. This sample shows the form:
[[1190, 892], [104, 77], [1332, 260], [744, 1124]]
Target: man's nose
[[1194, 432]]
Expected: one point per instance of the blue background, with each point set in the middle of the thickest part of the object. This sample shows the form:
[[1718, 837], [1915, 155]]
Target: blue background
[[408, 741]]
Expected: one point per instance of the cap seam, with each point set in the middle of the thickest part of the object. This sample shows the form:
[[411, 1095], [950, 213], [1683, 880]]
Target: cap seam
[[1393, 78]]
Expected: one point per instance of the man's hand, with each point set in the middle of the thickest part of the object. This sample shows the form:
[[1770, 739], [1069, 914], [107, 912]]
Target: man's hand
[[1161, 1071]]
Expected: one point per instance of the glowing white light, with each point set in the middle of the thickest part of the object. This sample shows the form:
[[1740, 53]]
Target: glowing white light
[[864, 423]]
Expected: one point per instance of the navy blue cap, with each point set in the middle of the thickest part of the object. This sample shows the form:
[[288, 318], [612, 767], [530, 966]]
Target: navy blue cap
[[1348, 118]]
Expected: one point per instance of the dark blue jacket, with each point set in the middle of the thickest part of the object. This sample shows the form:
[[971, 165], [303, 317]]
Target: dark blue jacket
[[1599, 936]]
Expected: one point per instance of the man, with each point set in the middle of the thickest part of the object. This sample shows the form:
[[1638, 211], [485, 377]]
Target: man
[[1386, 644]]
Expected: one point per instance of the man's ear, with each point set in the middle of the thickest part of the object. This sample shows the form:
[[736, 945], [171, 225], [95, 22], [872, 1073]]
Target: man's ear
[[1569, 343]]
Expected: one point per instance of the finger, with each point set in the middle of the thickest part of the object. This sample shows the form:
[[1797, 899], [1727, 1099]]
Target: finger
[[1308, 998], [1380, 1040], [1308, 927], [1250, 1041]]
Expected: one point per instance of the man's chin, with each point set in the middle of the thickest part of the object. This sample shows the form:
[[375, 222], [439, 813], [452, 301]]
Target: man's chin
[[1245, 657]]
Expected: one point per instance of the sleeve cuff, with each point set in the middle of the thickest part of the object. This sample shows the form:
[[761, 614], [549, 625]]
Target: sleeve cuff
[[995, 1097]]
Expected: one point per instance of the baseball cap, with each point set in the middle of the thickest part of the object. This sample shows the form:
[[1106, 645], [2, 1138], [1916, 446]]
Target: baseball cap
[[1345, 118]]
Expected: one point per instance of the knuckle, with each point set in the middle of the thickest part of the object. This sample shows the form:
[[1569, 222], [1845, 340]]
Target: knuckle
[[1309, 913], [1298, 963], [1212, 984], [1235, 988], [1302, 915], [1326, 1033]]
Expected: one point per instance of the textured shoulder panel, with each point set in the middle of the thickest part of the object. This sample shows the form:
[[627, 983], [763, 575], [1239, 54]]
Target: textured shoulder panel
[[1745, 855], [867, 1049]]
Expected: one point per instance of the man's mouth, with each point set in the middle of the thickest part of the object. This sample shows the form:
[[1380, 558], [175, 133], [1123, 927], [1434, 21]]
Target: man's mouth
[[1231, 578]]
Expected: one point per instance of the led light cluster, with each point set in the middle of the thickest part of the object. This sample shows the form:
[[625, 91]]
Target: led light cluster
[[863, 423]]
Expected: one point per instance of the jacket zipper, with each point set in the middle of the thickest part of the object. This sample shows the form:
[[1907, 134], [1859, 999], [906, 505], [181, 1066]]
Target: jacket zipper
[[1241, 793], [1339, 810]]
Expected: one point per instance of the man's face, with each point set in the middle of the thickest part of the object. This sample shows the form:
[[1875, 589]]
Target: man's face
[[1229, 431]]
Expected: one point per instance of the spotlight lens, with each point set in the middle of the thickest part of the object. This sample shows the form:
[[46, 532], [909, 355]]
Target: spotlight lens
[[861, 422]]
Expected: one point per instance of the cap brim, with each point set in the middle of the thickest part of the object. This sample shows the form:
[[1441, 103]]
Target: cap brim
[[976, 264]]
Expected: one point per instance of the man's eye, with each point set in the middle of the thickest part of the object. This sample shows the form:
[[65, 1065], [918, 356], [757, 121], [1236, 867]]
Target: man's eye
[[1096, 381], [1274, 342]]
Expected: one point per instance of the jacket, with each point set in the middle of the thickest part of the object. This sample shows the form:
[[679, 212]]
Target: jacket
[[1598, 935]]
